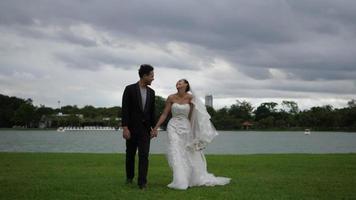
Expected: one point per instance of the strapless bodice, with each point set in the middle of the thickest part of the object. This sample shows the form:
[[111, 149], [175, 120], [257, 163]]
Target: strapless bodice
[[180, 110]]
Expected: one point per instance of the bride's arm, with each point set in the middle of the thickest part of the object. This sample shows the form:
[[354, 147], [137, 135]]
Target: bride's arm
[[165, 113]]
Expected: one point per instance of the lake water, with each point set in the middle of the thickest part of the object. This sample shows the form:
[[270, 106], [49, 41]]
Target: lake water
[[228, 142]]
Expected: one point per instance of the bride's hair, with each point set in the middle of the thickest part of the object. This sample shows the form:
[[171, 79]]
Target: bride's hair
[[188, 86]]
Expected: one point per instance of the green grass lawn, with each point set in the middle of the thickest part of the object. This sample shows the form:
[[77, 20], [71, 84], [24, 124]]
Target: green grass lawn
[[102, 176]]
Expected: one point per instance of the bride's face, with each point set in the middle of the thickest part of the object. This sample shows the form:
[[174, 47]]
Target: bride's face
[[181, 84]]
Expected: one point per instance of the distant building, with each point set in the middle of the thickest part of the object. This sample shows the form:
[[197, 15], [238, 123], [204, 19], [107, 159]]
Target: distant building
[[246, 125], [81, 116], [209, 100]]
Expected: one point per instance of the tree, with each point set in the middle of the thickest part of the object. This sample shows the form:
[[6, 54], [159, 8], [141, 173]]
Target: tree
[[290, 107], [267, 122], [319, 117], [70, 109], [265, 110], [73, 120], [241, 110], [24, 115], [271, 106], [224, 121], [211, 111], [43, 110], [89, 111], [352, 103], [160, 103], [8, 106], [287, 115]]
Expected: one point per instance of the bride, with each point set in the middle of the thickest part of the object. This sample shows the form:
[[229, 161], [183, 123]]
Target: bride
[[189, 131]]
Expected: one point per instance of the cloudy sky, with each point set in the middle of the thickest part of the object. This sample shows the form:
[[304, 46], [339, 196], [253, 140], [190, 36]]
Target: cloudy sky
[[84, 52]]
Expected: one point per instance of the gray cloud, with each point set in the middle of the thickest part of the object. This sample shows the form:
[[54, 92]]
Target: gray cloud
[[276, 47]]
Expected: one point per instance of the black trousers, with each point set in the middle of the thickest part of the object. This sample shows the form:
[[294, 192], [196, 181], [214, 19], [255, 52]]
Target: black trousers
[[140, 141]]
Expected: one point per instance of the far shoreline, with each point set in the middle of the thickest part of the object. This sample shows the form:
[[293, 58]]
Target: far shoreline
[[236, 130]]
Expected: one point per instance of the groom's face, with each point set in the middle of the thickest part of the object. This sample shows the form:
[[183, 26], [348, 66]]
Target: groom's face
[[148, 78]]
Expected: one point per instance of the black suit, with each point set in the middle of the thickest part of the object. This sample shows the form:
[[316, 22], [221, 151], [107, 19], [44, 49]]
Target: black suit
[[139, 121]]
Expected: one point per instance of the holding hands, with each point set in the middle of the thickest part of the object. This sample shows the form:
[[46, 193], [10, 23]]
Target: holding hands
[[127, 135], [154, 132]]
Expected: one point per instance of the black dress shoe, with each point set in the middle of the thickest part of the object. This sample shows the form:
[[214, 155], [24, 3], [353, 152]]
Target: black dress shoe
[[128, 181]]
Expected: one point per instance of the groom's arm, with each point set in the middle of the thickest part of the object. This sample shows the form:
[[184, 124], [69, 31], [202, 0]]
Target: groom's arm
[[125, 108], [153, 113]]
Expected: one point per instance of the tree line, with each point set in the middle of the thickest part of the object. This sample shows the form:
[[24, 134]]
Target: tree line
[[241, 115], [267, 116], [17, 112]]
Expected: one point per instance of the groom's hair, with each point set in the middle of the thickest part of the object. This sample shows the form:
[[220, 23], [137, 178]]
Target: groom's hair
[[145, 69]]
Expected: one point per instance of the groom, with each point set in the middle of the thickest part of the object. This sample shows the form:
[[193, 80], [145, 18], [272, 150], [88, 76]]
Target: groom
[[138, 118]]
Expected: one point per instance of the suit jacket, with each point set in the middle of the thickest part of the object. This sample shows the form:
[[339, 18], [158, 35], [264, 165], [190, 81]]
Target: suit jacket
[[134, 116]]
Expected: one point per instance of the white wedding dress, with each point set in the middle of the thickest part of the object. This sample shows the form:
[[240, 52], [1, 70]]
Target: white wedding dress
[[188, 164]]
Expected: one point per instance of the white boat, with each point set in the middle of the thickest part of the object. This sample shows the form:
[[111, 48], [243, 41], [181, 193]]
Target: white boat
[[86, 128], [307, 131], [60, 129]]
